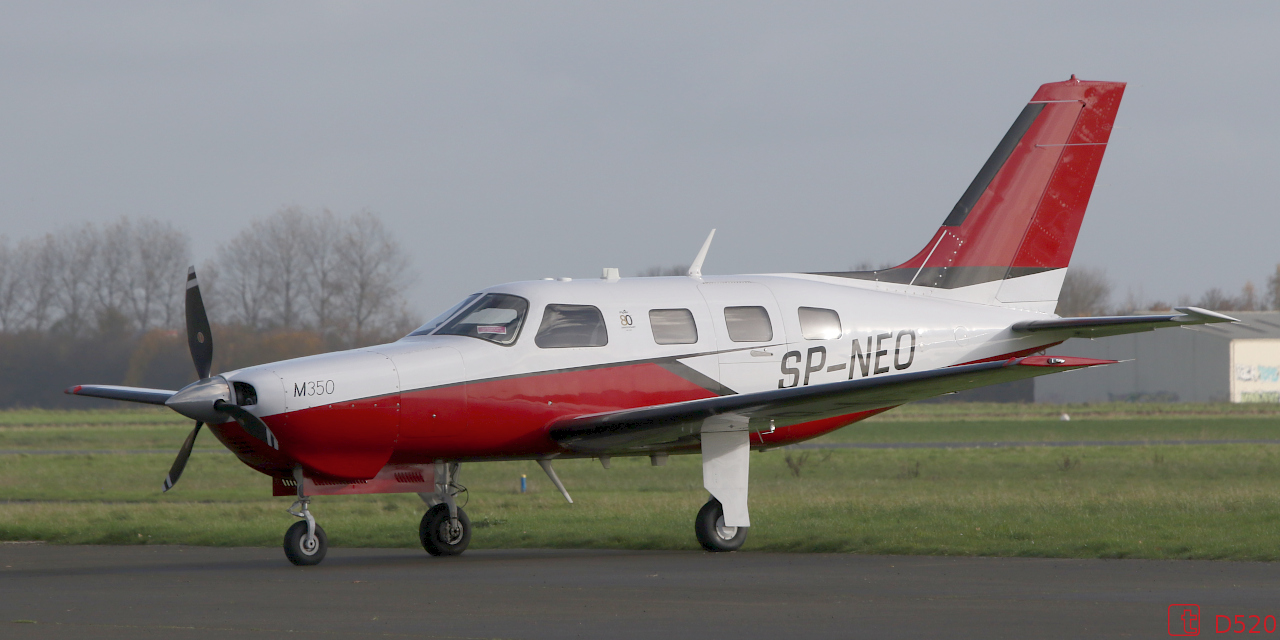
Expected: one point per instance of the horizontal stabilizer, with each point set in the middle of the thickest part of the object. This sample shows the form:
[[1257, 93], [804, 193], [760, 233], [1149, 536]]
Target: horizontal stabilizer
[[680, 424], [1102, 326], [127, 394]]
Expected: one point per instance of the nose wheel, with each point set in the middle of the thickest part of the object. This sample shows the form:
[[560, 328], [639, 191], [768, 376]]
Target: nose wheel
[[305, 542], [444, 536], [302, 548], [445, 529], [712, 533]]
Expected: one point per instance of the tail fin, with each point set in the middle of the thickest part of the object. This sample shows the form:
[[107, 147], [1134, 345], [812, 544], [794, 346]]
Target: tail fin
[[1014, 228]]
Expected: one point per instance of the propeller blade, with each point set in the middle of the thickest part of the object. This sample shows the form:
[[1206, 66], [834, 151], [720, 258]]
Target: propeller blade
[[199, 338], [180, 463], [251, 423]]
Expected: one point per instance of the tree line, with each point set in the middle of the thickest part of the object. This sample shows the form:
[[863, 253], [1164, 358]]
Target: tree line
[[341, 276], [1088, 291], [103, 303]]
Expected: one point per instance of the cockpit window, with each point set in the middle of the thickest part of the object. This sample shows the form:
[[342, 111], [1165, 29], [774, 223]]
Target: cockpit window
[[495, 317], [439, 320]]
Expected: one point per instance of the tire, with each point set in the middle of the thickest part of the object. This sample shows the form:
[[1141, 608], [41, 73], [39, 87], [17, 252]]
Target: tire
[[293, 548], [712, 534], [435, 535]]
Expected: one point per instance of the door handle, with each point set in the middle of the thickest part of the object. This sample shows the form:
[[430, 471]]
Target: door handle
[[760, 354]]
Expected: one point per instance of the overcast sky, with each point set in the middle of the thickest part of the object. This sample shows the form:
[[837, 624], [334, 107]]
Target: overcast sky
[[520, 140]]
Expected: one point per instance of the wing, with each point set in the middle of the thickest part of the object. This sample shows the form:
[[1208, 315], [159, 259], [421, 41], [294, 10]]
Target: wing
[[127, 394], [673, 425], [1102, 326]]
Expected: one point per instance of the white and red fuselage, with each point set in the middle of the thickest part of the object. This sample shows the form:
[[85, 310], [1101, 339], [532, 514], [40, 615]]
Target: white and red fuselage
[[349, 415]]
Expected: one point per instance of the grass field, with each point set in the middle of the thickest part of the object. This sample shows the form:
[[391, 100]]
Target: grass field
[[1154, 501]]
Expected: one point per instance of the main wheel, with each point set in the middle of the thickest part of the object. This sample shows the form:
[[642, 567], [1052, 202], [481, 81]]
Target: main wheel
[[713, 535], [302, 554], [442, 537]]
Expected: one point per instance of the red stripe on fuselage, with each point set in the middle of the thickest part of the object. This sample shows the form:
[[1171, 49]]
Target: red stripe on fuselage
[[507, 417], [489, 419]]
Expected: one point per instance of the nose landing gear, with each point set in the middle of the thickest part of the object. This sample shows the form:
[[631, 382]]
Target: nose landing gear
[[305, 542], [445, 529]]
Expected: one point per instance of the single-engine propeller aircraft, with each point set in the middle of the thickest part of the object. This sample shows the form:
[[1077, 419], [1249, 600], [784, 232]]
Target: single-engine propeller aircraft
[[716, 365]]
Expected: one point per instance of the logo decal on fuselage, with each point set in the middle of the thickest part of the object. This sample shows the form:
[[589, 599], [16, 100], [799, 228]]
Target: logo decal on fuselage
[[313, 388]]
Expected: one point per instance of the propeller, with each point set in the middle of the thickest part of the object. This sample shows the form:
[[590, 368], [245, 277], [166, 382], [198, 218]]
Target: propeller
[[199, 337], [200, 341], [206, 400], [180, 463]]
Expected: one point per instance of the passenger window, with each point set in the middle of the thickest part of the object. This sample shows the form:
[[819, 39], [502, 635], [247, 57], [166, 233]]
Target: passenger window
[[496, 317], [571, 325], [748, 324], [819, 324], [673, 326]]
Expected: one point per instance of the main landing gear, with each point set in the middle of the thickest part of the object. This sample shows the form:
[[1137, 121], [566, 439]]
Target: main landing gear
[[445, 529], [712, 532], [304, 543]]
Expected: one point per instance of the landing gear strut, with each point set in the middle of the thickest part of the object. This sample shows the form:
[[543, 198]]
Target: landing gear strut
[[712, 533], [305, 542], [445, 529]]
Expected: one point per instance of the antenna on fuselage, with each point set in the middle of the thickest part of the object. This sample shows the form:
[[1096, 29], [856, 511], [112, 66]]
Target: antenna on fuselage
[[695, 269]]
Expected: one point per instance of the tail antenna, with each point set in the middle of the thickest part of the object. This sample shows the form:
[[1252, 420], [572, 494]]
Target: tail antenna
[[695, 269]]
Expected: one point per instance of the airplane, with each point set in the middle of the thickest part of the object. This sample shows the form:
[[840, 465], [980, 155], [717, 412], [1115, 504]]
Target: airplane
[[658, 366]]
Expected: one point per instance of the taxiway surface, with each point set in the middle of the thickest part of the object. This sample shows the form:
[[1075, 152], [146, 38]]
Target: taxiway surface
[[51, 591]]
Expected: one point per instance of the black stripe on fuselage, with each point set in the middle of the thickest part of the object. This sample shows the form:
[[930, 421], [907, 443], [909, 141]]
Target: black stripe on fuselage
[[993, 165]]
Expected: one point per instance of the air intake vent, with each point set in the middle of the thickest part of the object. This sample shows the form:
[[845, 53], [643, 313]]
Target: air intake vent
[[246, 395]]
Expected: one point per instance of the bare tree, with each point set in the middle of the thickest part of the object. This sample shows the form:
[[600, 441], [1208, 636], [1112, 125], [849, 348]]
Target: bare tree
[[244, 290], [1248, 300], [10, 287], [373, 270], [866, 265], [74, 253], [673, 270], [1085, 292], [281, 235], [158, 275], [1219, 300], [1273, 289], [324, 282], [110, 272]]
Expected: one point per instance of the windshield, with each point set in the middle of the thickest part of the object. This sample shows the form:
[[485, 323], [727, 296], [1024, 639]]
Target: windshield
[[439, 320], [496, 317]]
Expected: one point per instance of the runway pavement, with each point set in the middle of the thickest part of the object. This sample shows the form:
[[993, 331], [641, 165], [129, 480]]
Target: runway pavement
[[195, 592]]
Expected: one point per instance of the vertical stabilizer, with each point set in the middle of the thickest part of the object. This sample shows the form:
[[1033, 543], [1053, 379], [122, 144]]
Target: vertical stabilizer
[[1012, 232]]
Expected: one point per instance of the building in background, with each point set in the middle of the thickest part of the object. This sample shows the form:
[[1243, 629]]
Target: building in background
[[1208, 363]]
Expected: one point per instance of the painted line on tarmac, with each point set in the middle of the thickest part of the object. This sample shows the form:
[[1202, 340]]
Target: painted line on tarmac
[[1001, 445]]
